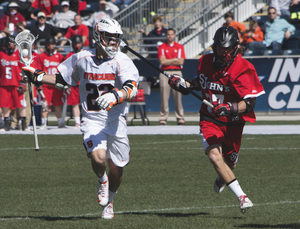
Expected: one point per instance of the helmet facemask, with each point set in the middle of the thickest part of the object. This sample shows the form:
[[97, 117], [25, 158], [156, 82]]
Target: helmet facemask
[[225, 56]]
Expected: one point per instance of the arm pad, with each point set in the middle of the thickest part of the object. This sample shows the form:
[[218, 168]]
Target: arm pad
[[60, 82], [131, 89], [250, 104]]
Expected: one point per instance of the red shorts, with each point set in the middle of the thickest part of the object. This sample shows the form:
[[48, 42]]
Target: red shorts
[[53, 95], [11, 98], [229, 136], [73, 97]]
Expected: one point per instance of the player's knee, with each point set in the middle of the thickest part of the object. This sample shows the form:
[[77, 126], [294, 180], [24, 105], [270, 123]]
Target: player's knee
[[98, 157], [215, 157]]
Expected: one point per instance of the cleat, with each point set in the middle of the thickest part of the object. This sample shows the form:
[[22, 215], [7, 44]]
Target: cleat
[[162, 123], [219, 185], [77, 126], [245, 203], [108, 211], [102, 193], [43, 127], [61, 125]]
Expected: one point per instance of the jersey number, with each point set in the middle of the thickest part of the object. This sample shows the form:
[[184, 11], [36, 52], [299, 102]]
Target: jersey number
[[94, 94]]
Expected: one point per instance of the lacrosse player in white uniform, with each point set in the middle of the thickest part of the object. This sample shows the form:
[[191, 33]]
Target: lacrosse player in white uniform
[[107, 79]]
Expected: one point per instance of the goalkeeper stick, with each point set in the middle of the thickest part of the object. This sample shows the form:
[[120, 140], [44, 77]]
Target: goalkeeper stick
[[123, 44], [24, 41]]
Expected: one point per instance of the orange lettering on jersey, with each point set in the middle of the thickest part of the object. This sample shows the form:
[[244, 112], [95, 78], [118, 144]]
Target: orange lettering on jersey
[[99, 76]]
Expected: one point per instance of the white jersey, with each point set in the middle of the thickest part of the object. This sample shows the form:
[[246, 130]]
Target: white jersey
[[96, 77]]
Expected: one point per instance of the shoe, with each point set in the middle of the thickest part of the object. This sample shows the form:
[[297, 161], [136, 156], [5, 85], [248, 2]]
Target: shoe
[[77, 126], [102, 193], [180, 123], [13, 128], [245, 203], [108, 211], [61, 125], [219, 185], [162, 123], [43, 127], [28, 128]]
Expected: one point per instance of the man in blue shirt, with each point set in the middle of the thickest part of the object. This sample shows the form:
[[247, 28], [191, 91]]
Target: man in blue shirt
[[276, 31]]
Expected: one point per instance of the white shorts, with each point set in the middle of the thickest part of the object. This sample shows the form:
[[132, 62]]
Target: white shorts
[[110, 136]]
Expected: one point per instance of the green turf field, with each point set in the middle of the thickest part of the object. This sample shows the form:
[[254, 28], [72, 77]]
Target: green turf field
[[167, 184]]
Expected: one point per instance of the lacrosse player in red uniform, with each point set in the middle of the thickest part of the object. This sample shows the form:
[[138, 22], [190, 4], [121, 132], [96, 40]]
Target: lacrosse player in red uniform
[[73, 96], [108, 78], [231, 84], [48, 61], [11, 86]]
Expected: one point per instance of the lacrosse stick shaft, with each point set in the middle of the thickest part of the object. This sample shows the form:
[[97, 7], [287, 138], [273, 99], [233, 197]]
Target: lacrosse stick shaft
[[65, 106], [167, 75], [36, 142]]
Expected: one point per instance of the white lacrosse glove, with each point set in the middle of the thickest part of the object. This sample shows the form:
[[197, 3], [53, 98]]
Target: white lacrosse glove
[[109, 99]]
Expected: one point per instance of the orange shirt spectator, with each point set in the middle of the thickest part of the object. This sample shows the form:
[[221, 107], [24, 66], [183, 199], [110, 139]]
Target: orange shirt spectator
[[241, 28], [253, 34]]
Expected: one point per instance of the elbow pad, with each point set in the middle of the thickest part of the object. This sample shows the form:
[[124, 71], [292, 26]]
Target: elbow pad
[[131, 89], [60, 83], [250, 104]]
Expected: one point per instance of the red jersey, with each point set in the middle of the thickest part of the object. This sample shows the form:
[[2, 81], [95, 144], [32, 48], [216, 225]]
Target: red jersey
[[45, 6], [8, 18], [49, 63], [10, 69], [170, 52], [239, 81], [82, 30]]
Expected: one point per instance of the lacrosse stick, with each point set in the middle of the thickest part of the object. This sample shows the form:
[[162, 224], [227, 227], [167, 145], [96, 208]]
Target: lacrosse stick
[[24, 41], [123, 44]]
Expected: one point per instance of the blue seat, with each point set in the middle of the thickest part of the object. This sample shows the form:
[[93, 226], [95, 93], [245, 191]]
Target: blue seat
[[291, 43], [255, 52], [291, 52], [270, 52]]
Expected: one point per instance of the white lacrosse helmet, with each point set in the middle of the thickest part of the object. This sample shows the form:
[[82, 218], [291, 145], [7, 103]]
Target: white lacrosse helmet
[[108, 34]]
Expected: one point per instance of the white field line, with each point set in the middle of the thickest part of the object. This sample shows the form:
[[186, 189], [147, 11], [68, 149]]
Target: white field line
[[155, 210]]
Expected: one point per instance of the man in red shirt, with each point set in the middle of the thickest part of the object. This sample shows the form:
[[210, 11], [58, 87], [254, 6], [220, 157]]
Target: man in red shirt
[[171, 57], [48, 62], [73, 96], [11, 87], [231, 84], [10, 19], [78, 29], [49, 7]]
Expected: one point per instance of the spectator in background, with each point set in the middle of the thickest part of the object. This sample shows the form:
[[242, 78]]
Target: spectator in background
[[122, 4], [276, 31], [49, 7], [107, 10], [48, 62], [254, 33], [158, 34], [64, 19], [43, 29], [241, 28], [171, 56], [78, 29], [295, 13], [11, 86], [73, 95], [10, 19], [282, 7]]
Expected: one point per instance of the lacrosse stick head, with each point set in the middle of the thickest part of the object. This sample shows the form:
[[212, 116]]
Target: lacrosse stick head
[[24, 41]]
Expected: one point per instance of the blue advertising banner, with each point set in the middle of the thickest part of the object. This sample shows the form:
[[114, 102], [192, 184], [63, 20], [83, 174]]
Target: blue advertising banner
[[279, 76]]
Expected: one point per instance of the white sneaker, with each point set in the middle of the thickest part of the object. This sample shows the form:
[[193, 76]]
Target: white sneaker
[[77, 126], [219, 185], [245, 203], [28, 128], [43, 127], [102, 193], [108, 211]]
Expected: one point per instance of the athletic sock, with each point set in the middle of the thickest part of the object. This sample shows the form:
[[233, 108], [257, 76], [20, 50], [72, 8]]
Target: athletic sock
[[60, 121], [235, 188], [103, 179], [23, 123], [6, 123], [44, 121], [111, 196], [77, 120]]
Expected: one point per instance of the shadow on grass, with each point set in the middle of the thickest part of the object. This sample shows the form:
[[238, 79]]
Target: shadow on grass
[[290, 226]]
